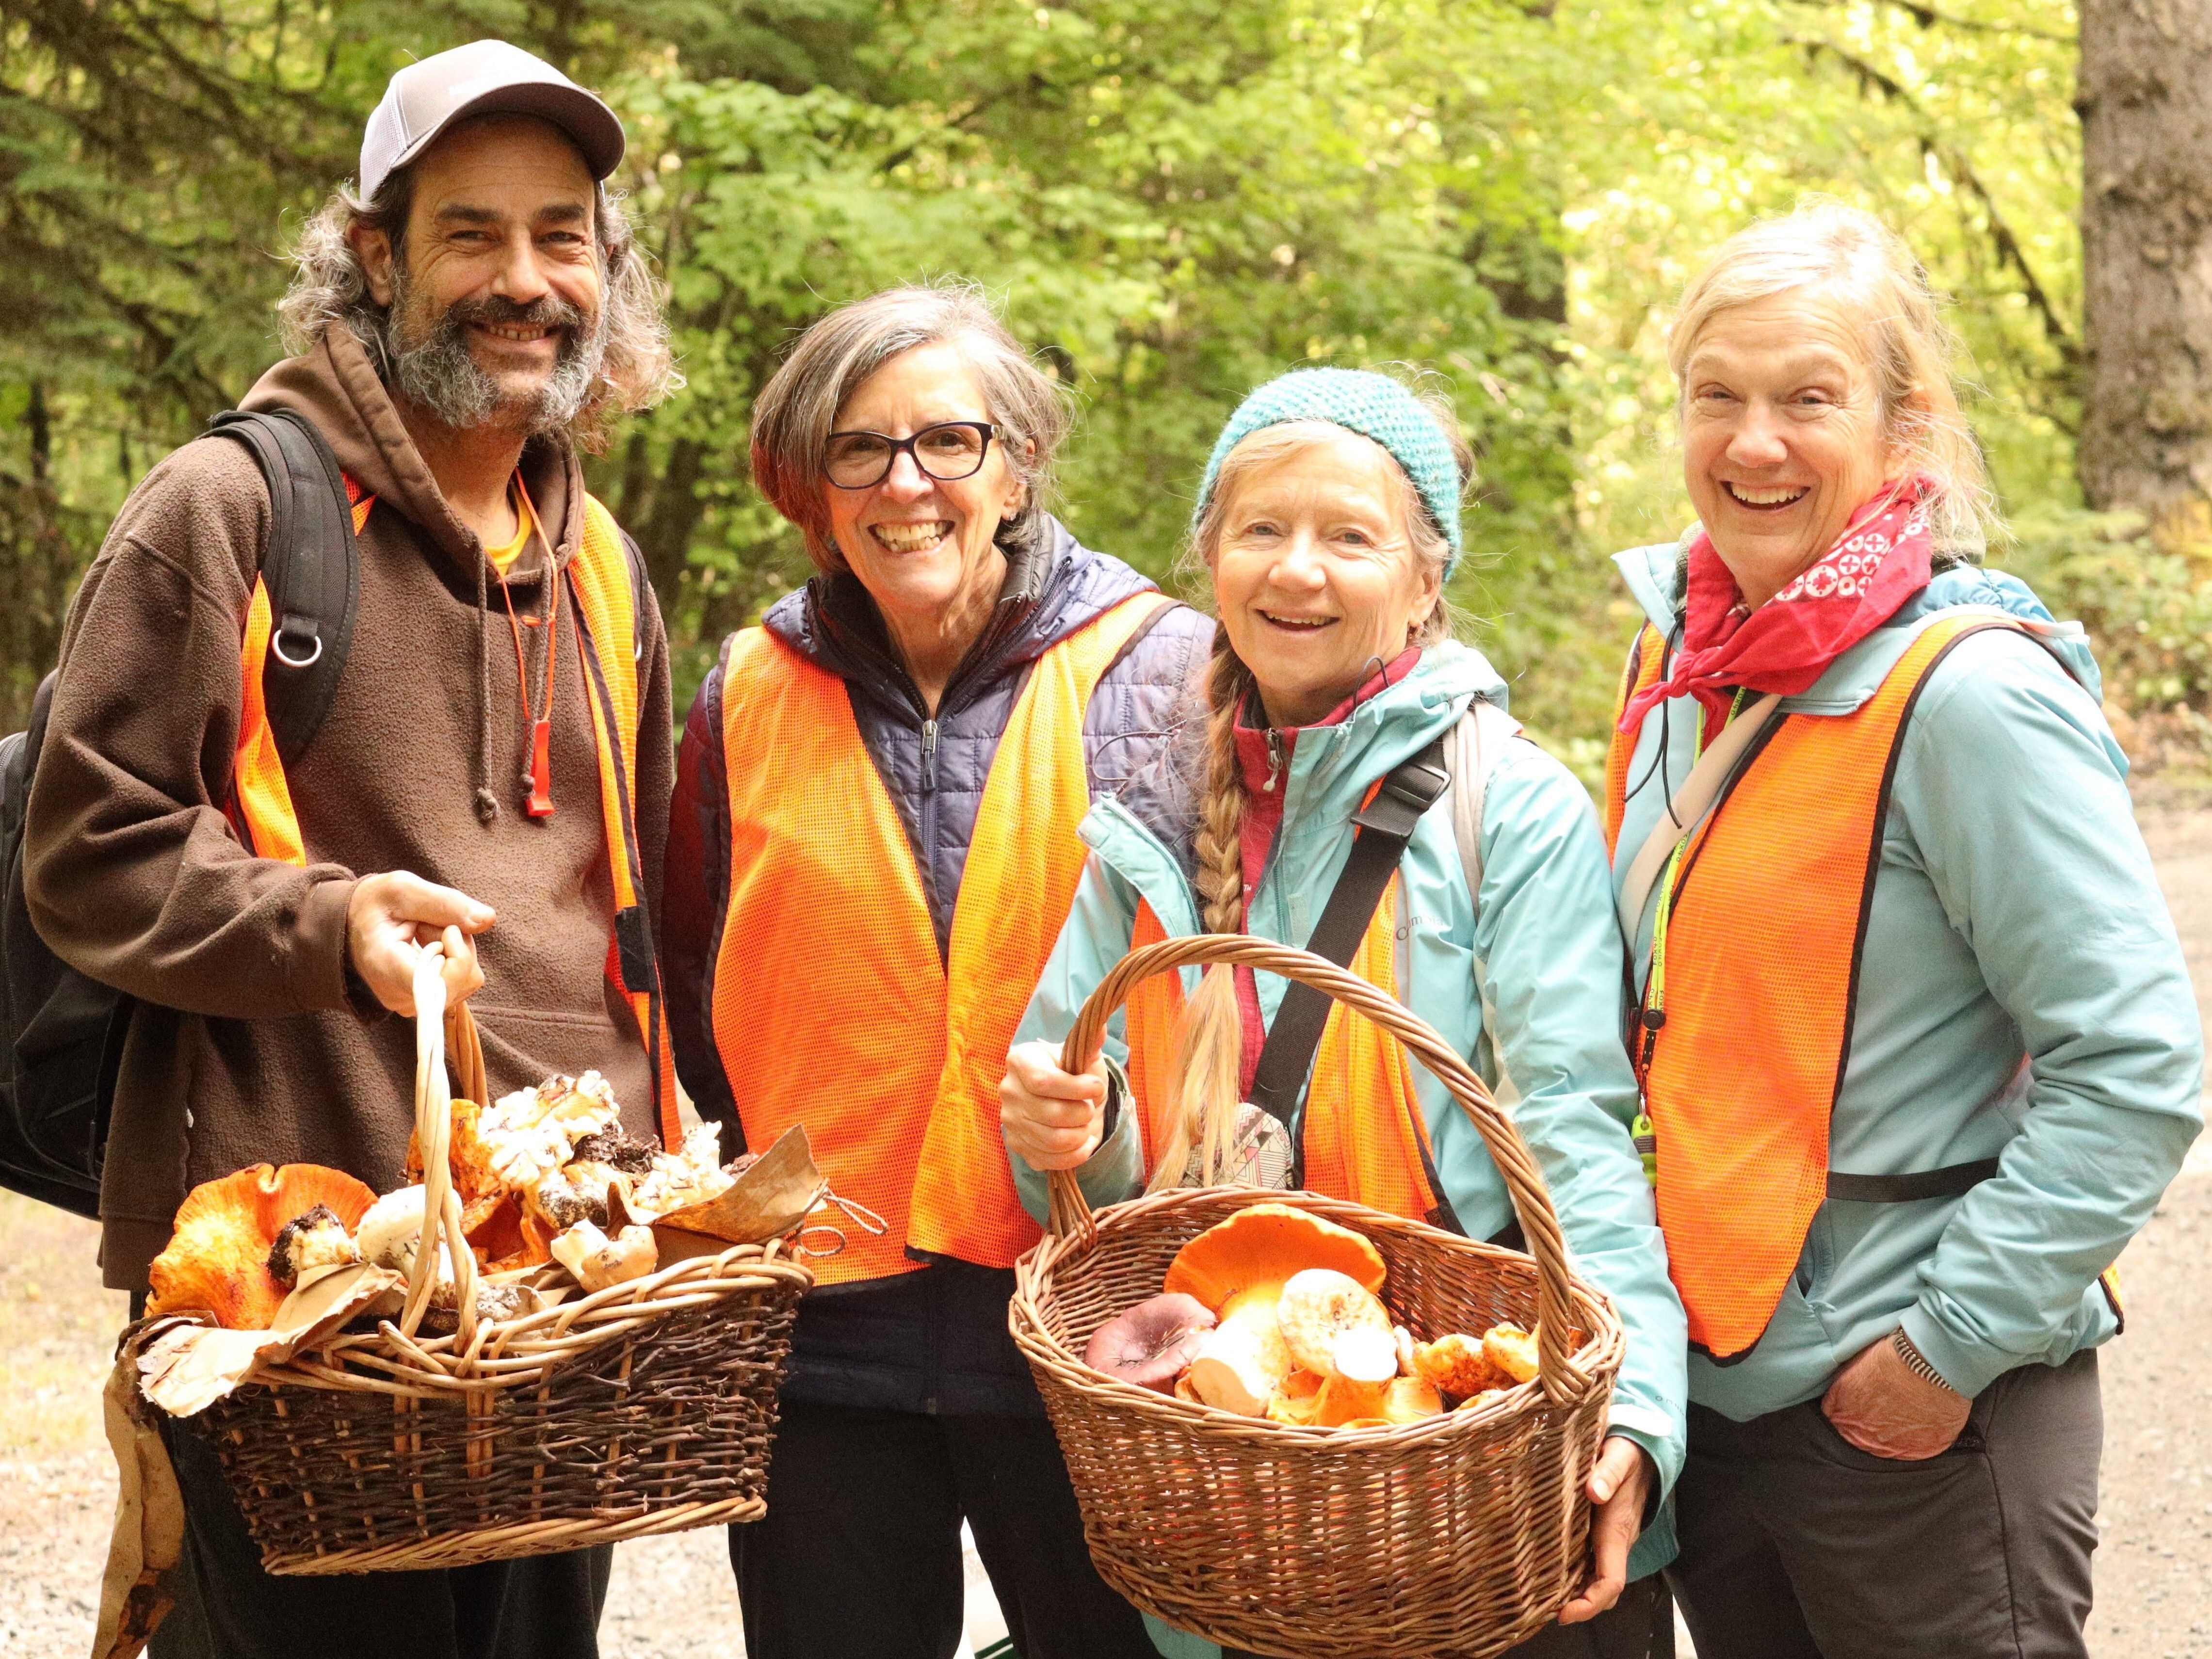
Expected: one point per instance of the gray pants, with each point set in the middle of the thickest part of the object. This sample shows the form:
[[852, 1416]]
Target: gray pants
[[1796, 1544]]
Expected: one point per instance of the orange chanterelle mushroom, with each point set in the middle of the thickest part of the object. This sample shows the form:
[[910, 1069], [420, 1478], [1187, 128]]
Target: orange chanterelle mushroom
[[217, 1263], [1265, 1244]]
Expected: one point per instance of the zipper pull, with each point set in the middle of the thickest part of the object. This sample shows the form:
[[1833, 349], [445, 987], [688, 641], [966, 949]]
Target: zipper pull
[[929, 754], [1274, 758]]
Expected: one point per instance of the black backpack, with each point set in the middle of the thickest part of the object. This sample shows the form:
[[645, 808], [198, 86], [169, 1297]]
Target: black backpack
[[61, 1032]]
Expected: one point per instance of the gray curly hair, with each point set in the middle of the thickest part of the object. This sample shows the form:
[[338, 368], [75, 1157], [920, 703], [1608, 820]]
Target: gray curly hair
[[635, 368]]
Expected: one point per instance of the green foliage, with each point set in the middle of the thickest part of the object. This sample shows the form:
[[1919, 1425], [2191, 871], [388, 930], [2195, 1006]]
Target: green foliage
[[1274, 185], [2149, 609], [1174, 199]]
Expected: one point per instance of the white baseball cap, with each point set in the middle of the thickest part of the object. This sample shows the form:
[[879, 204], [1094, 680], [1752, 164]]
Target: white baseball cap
[[486, 78]]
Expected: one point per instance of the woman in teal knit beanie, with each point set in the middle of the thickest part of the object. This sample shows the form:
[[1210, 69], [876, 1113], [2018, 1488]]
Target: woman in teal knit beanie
[[1329, 520]]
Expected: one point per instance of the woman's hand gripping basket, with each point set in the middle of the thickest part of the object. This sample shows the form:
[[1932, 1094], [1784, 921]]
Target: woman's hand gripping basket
[[1458, 1535], [645, 1406]]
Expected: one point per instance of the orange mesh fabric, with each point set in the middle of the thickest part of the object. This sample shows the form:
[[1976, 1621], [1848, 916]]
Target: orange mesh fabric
[[1153, 1021], [1022, 871], [606, 597], [830, 1004], [1646, 659], [1761, 957], [1363, 1139]]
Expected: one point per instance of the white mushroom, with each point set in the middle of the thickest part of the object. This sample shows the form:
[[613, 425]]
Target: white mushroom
[[391, 1230], [1242, 1361], [595, 1260]]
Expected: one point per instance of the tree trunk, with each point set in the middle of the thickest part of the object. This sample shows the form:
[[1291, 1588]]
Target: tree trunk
[[664, 535], [2145, 98]]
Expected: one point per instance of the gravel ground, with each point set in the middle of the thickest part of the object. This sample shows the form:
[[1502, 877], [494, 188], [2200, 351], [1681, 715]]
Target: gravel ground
[[2154, 1565], [671, 1597]]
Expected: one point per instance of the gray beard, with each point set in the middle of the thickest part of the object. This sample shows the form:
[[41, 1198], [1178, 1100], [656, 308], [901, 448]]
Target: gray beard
[[440, 375]]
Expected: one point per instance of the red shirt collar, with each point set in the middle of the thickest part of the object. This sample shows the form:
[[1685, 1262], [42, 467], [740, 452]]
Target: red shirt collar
[[1252, 746]]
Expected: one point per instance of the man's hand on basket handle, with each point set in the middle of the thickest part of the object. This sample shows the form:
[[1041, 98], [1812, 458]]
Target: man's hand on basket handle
[[391, 916], [1054, 1119], [1620, 1486]]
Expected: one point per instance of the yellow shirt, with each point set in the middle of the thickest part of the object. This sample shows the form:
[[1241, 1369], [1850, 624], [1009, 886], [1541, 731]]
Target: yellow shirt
[[503, 558]]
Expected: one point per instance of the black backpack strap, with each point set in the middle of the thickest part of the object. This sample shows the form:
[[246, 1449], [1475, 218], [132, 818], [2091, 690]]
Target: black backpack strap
[[1386, 825], [311, 569], [1948, 1181]]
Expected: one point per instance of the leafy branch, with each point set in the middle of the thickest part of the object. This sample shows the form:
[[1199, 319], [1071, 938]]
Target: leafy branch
[[1929, 16], [1954, 160]]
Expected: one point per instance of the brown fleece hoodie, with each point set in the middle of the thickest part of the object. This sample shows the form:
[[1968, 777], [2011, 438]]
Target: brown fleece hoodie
[[248, 1045]]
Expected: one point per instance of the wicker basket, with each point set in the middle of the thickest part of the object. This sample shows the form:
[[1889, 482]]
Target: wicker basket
[[1452, 1538], [649, 1406]]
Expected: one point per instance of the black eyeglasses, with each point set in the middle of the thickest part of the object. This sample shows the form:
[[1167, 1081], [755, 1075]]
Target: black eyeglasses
[[948, 452]]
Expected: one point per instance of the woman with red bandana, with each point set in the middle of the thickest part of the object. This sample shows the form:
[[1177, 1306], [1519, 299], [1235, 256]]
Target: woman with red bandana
[[1917, 1046]]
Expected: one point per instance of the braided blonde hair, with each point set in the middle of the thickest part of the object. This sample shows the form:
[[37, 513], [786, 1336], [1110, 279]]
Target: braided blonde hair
[[1203, 1086], [1209, 1047]]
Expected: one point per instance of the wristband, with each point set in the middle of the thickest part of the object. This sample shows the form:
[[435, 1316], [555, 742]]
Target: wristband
[[1917, 1362]]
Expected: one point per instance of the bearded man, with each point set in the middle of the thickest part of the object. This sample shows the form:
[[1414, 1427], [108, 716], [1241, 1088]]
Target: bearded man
[[460, 320]]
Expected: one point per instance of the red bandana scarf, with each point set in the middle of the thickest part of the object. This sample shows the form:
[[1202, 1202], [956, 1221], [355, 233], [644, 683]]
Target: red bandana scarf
[[1881, 560]]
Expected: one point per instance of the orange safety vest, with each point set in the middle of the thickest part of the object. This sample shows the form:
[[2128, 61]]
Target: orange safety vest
[[832, 1006], [1747, 1016], [1364, 1136], [600, 578]]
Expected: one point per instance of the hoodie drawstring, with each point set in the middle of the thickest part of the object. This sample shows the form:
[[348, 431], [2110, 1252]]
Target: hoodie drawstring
[[487, 803]]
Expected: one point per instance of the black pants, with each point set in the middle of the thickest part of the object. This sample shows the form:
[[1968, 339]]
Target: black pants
[[1796, 1544], [546, 1607], [858, 1557], [1639, 1625]]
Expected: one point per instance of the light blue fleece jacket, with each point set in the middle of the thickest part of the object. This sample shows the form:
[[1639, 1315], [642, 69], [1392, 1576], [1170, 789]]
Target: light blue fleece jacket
[[1545, 936], [2022, 996]]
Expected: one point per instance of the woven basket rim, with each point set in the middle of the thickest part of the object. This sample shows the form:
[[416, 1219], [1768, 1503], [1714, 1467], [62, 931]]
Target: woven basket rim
[[624, 1308]]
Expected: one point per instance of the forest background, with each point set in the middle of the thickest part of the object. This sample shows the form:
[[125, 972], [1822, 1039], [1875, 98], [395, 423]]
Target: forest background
[[1173, 199]]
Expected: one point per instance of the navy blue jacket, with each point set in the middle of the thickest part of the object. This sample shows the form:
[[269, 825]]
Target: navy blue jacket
[[933, 1341]]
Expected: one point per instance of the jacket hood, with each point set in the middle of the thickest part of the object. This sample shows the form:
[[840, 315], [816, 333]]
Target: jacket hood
[[1330, 767], [1052, 589], [337, 387], [1650, 573]]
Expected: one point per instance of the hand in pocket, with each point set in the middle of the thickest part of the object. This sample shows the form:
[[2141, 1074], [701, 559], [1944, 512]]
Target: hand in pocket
[[1880, 1406]]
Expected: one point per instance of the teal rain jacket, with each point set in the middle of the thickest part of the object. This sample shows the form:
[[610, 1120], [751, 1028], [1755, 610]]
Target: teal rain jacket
[[2022, 996], [1545, 935]]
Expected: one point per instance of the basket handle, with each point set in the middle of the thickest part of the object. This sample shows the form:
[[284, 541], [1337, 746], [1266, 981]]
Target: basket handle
[[434, 1129], [1070, 1215], [465, 1056]]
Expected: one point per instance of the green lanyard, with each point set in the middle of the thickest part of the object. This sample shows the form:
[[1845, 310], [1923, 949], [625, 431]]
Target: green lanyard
[[1652, 1018]]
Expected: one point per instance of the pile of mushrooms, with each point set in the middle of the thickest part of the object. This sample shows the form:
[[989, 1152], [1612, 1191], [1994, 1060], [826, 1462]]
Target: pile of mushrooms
[[1277, 1314]]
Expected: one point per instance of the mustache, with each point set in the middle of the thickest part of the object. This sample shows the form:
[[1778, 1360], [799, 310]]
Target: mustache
[[547, 311]]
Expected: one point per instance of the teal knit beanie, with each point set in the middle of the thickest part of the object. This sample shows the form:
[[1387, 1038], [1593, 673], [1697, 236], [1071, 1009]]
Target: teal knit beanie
[[1359, 400]]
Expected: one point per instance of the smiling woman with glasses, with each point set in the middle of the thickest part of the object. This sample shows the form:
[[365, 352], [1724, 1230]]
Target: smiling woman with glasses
[[873, 847]]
